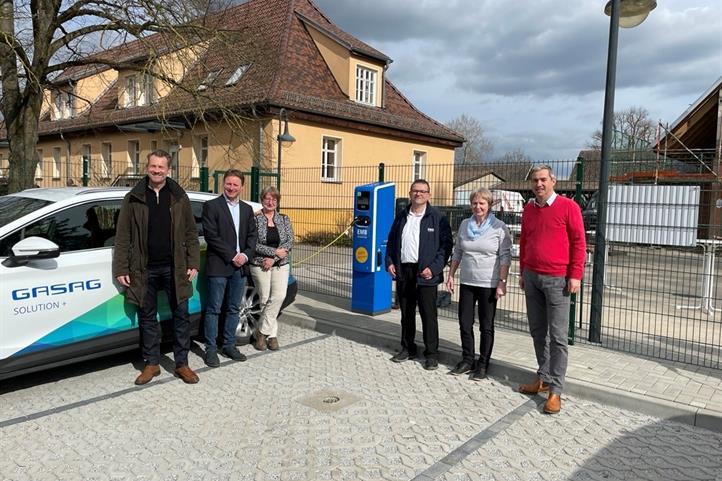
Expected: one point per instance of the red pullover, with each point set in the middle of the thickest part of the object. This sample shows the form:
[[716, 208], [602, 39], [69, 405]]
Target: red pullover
[[552, 239]]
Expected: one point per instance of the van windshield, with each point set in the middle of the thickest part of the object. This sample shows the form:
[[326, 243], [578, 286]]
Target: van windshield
[[13, 208]]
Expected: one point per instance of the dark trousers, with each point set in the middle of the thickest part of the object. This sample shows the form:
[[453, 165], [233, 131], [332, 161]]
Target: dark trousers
[[410, 295], [485, 300], [161, 278]]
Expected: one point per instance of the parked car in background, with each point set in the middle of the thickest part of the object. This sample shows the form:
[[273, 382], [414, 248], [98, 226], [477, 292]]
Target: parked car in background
[[589, 214], [58, 300]]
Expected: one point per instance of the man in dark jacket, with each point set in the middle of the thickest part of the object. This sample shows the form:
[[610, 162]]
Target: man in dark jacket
[[156, 247], [229, 227], [418, 247]]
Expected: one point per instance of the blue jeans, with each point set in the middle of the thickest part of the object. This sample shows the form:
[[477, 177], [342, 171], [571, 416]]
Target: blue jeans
[[235, 285]]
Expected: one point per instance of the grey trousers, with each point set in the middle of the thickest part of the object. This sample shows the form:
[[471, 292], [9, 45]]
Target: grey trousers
[[547, 307]]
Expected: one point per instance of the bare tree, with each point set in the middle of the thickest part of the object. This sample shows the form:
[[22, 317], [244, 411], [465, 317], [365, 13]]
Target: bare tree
[[515, 156], [633, 130], [477, 148], [40, 39]]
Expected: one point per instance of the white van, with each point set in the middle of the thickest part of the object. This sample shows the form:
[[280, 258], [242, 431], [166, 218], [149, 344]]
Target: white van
[[59, 302]]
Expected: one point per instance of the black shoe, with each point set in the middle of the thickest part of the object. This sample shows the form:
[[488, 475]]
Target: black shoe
[[403, 355], [233, 353], [211, 359], [479, 373], [431, 365], [462, 368]]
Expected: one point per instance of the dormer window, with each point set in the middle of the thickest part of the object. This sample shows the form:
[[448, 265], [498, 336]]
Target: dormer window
[[208, 81], [237, 74], [63, 105], [365, 85], [139, 90]]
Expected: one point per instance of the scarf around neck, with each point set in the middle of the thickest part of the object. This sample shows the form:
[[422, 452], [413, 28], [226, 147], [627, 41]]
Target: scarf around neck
[[475, 231]]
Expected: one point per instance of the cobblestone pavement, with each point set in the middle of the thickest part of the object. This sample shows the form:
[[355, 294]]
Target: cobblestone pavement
[[326, 408]]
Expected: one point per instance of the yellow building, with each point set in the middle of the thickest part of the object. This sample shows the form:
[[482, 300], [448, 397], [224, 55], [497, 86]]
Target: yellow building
[[218, 102]]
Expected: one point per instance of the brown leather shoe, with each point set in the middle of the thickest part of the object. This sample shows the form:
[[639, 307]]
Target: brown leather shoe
[[553, 404], [534, 387], [273, 343], [149, 372], [260, 343], [186, 374]]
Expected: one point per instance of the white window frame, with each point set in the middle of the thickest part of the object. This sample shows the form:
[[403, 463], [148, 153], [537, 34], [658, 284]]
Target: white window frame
[[57, 162], [130, 94], [139, 90], [200, 155], [106, 156], [366, 85], [39, 167], [237, 74], [63, 105], [335, 164], [210, 78], [418, 165], [134, 156]]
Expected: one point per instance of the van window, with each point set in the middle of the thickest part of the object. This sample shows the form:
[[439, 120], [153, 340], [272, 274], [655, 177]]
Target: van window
[[86, 226]]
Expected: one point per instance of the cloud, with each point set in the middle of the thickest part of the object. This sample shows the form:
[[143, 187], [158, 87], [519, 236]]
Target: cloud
[[517, 65]]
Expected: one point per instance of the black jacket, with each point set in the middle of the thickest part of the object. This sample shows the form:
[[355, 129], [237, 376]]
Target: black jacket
[[220, 235], [435, 244]]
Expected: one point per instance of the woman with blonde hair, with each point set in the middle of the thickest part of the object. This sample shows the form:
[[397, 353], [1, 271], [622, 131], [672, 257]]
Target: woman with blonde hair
[[483, 250], [270, 266]]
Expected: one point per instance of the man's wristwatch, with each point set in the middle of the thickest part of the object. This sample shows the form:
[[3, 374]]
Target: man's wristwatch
[[503, 280]]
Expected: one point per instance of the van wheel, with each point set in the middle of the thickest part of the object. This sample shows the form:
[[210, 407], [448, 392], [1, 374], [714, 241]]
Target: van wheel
[[250, 312]]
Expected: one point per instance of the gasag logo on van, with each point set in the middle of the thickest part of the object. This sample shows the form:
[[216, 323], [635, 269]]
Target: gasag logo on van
[[44, 293]]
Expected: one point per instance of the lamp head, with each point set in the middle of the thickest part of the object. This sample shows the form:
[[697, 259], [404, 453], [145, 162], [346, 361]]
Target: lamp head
[[631, 12], [285, 136]]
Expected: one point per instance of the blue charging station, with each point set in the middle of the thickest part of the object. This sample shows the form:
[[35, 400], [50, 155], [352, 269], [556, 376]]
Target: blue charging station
[[373, 216]]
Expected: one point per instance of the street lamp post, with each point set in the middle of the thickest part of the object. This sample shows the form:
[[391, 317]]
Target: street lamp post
[[281, 138], [626, 14]]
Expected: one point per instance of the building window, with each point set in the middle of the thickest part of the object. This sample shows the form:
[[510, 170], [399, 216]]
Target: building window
[[208, 81], [200, 157], [106, 158], [365, 85], [331, 160], [153, 145], [172, 147], [39, 167], [63, 105], [134, 156], [418, 166], [57, 162], [236, 76], [139, 90]]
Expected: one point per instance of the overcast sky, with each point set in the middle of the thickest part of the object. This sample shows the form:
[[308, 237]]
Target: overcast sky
[[533, 71]]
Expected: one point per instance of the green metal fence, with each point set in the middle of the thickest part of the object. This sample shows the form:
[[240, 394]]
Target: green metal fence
[[660, 300]]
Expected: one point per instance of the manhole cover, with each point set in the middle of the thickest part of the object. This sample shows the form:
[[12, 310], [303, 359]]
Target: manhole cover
[[329, 400]]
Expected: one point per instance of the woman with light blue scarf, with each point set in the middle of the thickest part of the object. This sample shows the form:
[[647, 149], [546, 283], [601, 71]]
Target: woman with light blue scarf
[[483, 250]]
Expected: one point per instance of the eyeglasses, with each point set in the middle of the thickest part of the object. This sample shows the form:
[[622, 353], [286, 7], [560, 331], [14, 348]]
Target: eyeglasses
[[419, 191]]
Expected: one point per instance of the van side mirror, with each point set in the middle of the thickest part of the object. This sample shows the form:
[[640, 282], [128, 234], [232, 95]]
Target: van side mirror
[[32, 248]]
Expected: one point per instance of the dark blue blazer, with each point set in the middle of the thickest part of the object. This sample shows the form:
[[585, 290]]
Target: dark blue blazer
[[220, 235]]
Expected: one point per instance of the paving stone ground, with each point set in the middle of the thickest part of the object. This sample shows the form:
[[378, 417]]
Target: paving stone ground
[[257, 421]]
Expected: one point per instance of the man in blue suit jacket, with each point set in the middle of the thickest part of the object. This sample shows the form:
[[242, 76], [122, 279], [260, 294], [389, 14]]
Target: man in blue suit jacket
[[229, 229]]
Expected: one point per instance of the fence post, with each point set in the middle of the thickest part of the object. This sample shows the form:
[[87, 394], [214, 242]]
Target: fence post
[[382, 168], [255, 180], [86, 170], [203, 179], [571, 334]]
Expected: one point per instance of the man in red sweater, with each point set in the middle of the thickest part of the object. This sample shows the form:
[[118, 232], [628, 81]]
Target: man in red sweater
[[552, 250]]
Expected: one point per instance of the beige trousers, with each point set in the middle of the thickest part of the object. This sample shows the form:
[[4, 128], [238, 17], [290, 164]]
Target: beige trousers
[[271, 286]]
